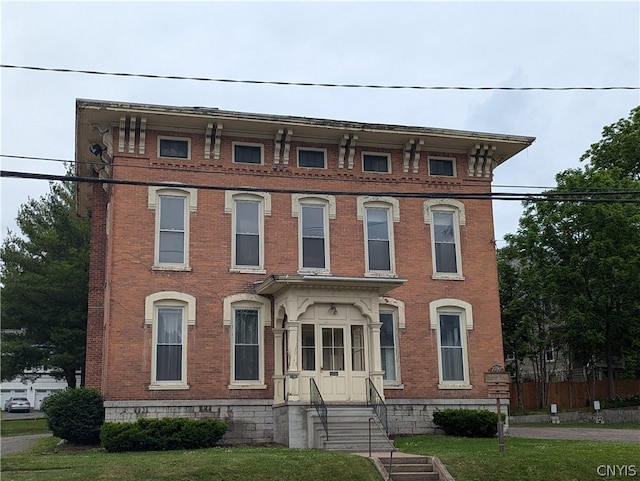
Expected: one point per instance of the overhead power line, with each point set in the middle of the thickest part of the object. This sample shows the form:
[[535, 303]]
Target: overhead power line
[[165, 168], [593, 197], [308, 84]]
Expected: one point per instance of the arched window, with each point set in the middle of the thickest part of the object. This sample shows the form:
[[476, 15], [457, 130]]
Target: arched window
[[378, 215], [445, 217], [313, 213], [247, 212]]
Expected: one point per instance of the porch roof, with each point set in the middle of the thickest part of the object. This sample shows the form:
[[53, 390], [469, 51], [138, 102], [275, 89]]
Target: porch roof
[[278, 282]]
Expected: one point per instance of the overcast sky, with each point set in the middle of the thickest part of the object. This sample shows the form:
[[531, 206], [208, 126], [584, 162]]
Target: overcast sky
[[516, 44]]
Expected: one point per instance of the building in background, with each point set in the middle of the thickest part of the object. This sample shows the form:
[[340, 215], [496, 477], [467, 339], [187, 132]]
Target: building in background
[[243, 263]]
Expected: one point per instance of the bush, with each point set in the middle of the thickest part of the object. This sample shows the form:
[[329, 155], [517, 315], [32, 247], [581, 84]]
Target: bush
[[162, 434], [75, 415], [620, 402], [467, 422]]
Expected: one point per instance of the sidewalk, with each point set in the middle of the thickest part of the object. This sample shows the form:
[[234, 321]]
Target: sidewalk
[[584, 434]]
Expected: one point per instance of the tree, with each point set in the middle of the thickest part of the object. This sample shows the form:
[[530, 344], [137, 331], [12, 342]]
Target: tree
[[586, 253], [44, 275]]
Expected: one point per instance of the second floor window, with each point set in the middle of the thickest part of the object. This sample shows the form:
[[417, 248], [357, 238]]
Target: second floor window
[[444, 238], [247, 232], [313, 236], [171, 230], [378, 245]]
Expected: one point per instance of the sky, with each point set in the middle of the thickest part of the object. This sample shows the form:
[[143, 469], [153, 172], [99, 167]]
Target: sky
[[425, 43]]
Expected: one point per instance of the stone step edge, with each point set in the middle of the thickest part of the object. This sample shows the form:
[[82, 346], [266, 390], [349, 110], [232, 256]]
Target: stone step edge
[[438, 466]]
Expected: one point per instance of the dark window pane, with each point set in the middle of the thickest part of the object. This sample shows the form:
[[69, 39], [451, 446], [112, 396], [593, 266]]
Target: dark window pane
[[379, 259], [377, 224], [308, 348], [169, 363], [247, 250], [313, 221], [247, 363], [174, 148], [313, 253], [311, 158], [376, 163], [247, 154], [446, 258], [386, 332], [247, 217], [441, 167], [246, 331], [171, 248]]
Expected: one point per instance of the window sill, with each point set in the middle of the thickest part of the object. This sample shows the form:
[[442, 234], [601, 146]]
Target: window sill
[[167, 387], [314, 272], [393, 386], [247, 386], [386, 275], [455, 386], [169, 267], [247, 270], [448, 277]]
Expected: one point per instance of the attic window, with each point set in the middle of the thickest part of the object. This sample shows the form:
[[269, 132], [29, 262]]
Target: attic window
[[174, 148]]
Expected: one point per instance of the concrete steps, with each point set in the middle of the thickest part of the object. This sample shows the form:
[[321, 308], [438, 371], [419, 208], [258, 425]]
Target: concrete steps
[[348, 430], [409, 468]]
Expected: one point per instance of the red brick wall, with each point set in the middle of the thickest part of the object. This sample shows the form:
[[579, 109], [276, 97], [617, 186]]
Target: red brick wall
[[132, 227]]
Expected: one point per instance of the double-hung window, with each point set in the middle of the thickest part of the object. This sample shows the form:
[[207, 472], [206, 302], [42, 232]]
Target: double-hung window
[[247, 213], [445, 218], [169, 314], [451, 319], [313, 213], [378, 215], [388, 346], [172, 206], [246, 343]]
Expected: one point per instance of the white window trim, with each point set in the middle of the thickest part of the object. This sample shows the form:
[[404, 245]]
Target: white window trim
[[459, 219], [378, 154], [315, 149], [465, 311], [437, 157], [168, 137], [329, 202], [230, 198], [247, 144], [393, 208], [397, 307], [169, 299], [153, 200], [246, 301]]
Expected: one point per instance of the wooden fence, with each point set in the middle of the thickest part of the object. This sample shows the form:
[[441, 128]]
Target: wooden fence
[[568, 395]]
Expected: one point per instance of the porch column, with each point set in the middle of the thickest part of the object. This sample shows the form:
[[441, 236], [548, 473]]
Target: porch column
[[376, 373], [293, 371], [278, 376]]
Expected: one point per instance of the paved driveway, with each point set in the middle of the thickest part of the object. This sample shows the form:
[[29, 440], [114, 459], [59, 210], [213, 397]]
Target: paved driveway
[[585, 434]]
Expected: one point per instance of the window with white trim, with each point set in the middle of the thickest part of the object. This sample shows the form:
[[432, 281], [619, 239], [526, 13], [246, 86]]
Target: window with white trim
[[442, 167], [174, 147], [445, 218], [247, 315], [388, 352], [378, 215], [376, 163], [247, 212], [172, 208], [313, 213], [312, 158], [169, 314], [247, 153], [452, 318]]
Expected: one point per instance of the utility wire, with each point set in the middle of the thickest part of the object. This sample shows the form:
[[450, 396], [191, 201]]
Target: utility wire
[[591, 191], [307, 84], [542, 197]]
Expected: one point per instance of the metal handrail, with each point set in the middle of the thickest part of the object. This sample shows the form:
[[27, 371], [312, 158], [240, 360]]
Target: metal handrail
[[379, 407], [391, 451], [321, 408]]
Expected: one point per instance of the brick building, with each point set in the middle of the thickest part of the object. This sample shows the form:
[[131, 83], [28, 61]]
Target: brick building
[[246, 255]]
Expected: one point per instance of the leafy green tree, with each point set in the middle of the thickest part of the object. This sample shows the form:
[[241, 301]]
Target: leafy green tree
[[44, 275], [583, 256]]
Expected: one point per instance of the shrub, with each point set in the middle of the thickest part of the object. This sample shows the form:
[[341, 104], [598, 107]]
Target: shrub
[[467, 422], [162, 434], [75, 415], [620, 402]]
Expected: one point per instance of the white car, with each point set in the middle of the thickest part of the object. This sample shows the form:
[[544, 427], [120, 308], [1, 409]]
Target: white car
[[14, 404]]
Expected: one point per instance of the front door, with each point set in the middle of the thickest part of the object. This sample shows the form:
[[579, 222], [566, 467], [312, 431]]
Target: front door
[[343, 368]]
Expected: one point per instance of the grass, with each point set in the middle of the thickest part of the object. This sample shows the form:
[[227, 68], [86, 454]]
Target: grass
[[21, 427], [523, 459], [224, 464]]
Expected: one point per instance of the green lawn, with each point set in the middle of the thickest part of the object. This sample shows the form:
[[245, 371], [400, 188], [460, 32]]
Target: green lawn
[[466, 459], [20, 427], [523, 459]]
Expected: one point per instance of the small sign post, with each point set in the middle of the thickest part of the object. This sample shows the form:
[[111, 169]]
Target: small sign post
[[498, 383]]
